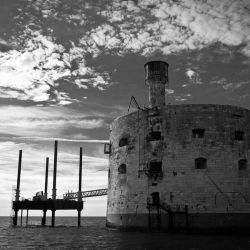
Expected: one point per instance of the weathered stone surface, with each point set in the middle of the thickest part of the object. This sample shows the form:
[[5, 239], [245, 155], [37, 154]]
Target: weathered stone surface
[[220, 188]]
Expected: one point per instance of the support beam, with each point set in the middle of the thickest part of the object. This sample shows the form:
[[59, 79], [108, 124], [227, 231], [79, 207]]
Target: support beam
[[79, 218], [54, 183], [21, 222], [45, 190], [80, 177], [18, 186], [15, 218], [55, 171], [27, 217], [44, 218], [53, 218], [80, 187], [19, 176], [46, 179]]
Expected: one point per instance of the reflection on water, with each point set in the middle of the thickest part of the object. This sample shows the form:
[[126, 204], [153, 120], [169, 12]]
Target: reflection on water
[[94, 235]]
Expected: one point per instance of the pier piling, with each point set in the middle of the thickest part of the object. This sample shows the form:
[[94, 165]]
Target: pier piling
[[80, 187], [45, 190], [41, 202], [54, 183], [18, 186], [21, 222]]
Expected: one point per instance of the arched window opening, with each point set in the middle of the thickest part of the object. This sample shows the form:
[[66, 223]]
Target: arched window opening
[[122, 169], [200, 163], [239, 135], [124, 141], [242, 164], [198, 133]]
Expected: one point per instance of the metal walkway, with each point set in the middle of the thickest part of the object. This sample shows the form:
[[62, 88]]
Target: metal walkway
[[85, 194]]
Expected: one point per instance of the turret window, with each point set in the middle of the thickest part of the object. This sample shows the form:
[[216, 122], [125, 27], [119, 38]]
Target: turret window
[[239, 135], [124, 141], [154, 136], [122, 169], [155, 167], [155, 198], [198, 133], [200, 163], [242, 164]]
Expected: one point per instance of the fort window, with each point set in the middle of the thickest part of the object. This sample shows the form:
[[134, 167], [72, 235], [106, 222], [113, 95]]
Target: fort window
[[155, 198], [239, 135], [154, 136], [122, 169], [124, 141], [155, 167], [198, 133], [200, 163], [242, 164], [107, 148]]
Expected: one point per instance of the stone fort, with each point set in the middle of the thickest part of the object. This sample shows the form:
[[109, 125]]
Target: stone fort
[[179, 166]]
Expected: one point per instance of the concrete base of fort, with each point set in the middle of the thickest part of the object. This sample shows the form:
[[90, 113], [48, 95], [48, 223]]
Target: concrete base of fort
[[211, 222]]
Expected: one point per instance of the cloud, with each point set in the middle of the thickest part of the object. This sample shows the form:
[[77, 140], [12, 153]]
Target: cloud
[[42, 60], [4, 45], [37, 138], [33, 72], [150, 26], [45, 121]]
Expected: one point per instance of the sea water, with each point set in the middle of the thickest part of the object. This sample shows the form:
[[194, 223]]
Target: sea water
[[93, 234]]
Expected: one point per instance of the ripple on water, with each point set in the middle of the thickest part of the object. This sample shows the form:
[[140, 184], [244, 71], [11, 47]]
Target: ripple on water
[[94, 235]]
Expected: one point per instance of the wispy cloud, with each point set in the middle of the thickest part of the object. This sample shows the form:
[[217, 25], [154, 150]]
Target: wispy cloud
[[45, 121], [36, 138]]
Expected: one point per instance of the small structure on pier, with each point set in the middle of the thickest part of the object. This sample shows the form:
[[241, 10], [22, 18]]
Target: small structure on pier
[[41, 202]]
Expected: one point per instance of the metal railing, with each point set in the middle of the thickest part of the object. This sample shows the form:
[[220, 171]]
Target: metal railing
[[85, 194]]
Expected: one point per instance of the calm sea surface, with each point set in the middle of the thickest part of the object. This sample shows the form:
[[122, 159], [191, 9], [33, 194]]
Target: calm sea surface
[[94, 235]]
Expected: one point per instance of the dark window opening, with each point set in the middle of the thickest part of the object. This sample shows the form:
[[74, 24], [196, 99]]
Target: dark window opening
[[200, 163], [107, 148], [239, 135], [155, 198], [154, 136], [242, 164], [198, 133], [124, 141], [155, 167], [237, 115], [122, 169]]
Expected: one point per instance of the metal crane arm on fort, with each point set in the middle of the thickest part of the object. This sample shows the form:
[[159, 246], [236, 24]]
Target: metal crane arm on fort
[[85, 194]]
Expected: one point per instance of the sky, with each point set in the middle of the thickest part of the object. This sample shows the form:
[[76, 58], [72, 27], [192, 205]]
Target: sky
[[68, 68]]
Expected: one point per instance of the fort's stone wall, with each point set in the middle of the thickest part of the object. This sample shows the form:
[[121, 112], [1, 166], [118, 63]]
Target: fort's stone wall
[[194, 158]]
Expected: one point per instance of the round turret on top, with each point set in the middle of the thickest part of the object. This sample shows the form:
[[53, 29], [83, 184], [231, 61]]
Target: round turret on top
[[156, 79]]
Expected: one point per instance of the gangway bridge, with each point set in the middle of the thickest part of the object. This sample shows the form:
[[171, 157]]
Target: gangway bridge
[[85, 194]]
